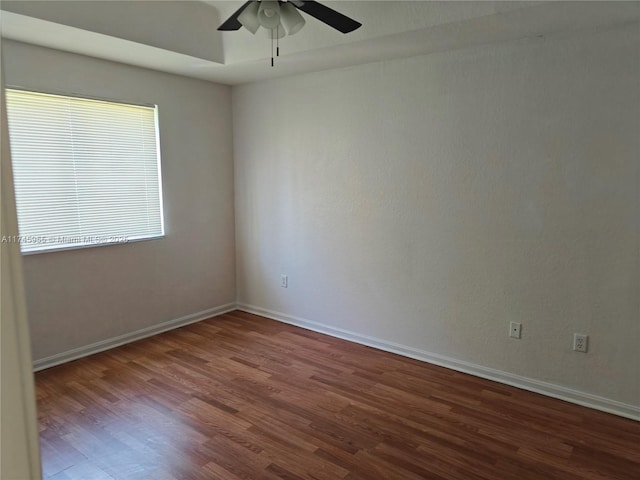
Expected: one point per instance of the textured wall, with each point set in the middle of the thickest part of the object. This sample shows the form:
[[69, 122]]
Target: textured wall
[[429, 201], [19, 442], [83, 296]]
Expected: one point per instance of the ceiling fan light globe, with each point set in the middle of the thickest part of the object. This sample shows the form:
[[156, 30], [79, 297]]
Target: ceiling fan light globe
[[249, 17], [269, 13], [291, 19]]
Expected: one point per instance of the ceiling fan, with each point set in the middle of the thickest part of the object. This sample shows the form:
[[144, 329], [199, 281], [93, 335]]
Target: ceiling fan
[[283, 16]]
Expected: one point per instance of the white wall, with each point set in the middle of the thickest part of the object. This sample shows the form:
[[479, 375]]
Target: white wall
[[429, 201], [79, 297], [19, 446]]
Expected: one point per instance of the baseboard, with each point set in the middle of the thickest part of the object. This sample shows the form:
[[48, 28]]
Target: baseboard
[[537, 386], [109, 343]]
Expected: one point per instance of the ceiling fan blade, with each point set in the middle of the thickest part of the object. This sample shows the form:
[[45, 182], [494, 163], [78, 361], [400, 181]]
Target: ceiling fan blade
[[327, 15], [232, 22]]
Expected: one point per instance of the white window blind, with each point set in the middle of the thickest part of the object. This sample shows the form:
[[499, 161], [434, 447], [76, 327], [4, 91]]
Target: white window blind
[[86, 172]]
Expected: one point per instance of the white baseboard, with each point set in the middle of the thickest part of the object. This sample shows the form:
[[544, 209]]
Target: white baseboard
[[537, 386], [544, 388], [109, 343]]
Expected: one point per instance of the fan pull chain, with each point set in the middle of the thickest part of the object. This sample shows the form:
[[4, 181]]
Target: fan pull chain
[[272, 47], [278, 41]]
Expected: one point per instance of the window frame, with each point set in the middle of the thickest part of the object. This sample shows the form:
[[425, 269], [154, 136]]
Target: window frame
[[21, 239]]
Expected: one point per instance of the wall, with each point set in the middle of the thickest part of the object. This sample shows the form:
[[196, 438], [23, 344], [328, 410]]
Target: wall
[[80, 297], [422, 204], [19, 443]]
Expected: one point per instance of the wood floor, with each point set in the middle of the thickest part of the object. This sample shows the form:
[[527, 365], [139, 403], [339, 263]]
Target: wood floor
[[243, 397]]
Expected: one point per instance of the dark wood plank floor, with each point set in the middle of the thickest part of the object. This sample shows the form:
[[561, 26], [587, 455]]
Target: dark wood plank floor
[[243, 397]]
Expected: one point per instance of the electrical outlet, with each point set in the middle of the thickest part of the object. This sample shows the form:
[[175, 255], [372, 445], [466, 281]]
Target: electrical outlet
[[580, 342], [284, 281], [515, 329]]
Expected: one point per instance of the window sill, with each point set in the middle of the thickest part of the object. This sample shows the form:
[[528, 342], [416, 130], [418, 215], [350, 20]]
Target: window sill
[[81, 246]]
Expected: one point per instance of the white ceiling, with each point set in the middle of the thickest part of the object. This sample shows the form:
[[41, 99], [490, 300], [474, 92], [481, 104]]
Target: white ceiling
[[181, 37]]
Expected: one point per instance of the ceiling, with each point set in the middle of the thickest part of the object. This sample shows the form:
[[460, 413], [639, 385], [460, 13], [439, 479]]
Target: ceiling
[[181, 37]]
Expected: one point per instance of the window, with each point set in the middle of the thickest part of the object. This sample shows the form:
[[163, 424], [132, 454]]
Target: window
[[86, 172]]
